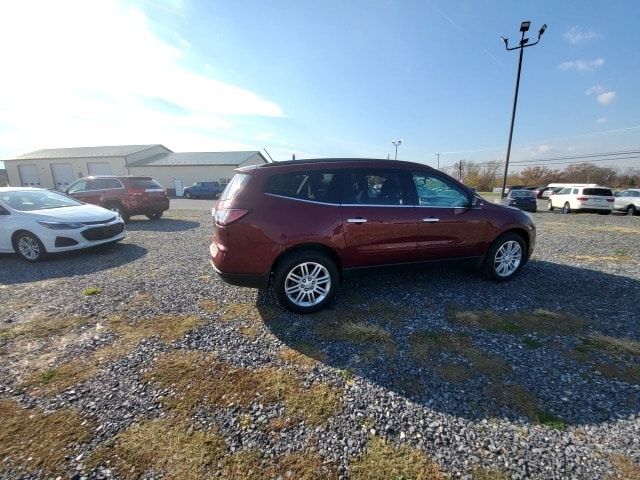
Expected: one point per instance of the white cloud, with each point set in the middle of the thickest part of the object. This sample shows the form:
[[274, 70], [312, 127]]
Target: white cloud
[[602, 120], [595, 90], [582, 65], [86, 73], [575, 35], [606, 98], [536, 150]]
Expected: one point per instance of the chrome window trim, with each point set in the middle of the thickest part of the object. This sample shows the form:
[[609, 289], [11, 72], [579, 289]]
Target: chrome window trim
[[364, 204], [303, 200], [121, 187]]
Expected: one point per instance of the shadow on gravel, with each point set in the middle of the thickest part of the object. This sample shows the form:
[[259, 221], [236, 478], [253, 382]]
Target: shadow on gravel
[[81, 262], [414, 334], [161, 225]]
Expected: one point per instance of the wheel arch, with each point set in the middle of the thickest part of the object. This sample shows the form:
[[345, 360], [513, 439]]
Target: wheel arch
[[317, 247], [14, 237]]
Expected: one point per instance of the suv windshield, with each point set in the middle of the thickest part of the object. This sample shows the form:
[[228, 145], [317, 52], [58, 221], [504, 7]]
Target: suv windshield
[[26, 201], [599, 192]]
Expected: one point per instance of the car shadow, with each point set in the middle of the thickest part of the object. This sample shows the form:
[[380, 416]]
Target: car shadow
[[444, 338], [161, 225], [14, 270]]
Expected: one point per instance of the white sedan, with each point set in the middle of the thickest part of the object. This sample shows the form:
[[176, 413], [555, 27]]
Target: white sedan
[[628, 201], [34, 222]]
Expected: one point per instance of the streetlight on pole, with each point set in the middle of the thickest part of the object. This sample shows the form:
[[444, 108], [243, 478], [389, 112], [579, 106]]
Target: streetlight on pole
[[524, 43], [396, 143], [438, 155]]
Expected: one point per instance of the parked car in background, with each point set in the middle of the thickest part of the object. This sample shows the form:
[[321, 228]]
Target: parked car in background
[[508, 188], [125, 195], [627, 201], [35, 222], [304, 225], [522, 199], [537, 192], [582, 199], [550, 191], [203, 190]]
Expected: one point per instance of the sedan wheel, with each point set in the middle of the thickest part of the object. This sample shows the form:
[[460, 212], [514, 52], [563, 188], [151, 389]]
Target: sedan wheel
[[631, 210], [29, 247], [306, 281]]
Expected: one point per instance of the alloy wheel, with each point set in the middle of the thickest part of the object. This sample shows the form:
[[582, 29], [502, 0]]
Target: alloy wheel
[[29, 247], [508, 258], [307, 284]]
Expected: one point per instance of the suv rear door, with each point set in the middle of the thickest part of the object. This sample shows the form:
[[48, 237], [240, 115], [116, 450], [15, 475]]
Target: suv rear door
[[449, 227], [380, 223], [596, 197]]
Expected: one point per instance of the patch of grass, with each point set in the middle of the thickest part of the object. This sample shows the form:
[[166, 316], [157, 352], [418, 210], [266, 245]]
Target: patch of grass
[[91, 291], [384, 461], [516, 323], [625, 468], [354, 332], [531, 342], [525, 403], [234, 311], [389, 314], [197, 379], [454, 371], [167, 328], [302, 466], [209, 306], [43, 327], [34, 440], [168, 447], [289, 355], [617, 257], [613, 345], [621, 372], [424, 346], [479, 473], [250, 331]]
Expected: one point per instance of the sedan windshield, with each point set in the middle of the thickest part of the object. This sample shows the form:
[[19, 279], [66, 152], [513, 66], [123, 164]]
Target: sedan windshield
[[28, 200]]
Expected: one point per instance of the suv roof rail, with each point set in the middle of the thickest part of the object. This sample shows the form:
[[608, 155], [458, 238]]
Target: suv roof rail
[[334, 160]]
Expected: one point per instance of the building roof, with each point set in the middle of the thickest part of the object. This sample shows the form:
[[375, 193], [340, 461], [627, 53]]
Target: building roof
[[196, 158], [87, 152]]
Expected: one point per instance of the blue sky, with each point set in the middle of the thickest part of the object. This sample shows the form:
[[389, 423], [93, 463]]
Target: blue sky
[[322, 78]]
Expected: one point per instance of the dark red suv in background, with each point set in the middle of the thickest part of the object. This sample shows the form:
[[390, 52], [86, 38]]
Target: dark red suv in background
[[126, 195], [303, 224]]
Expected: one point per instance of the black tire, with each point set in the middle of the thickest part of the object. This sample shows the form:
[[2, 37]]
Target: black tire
[[187, 195], [631, 210], [119, 209], [549, 206], [488, 265], [294, 261], [21, 242], [154, 216], [566, 209]]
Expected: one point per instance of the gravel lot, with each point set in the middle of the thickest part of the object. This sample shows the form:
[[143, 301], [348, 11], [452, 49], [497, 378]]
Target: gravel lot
[[502, 397]]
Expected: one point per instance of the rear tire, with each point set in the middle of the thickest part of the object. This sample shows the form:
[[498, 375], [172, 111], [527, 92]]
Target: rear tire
[[29, 247], [549, 206], [566, 209], [188, 195], [505, 258], [631, 210], [306, 281], [119, 209], [154, 216]]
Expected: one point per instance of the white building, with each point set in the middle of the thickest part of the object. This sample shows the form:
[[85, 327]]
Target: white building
[[59, 167]]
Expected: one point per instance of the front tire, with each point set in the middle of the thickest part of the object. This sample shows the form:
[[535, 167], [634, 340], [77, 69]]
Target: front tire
[[566, 209], [550, 206], [505, 258], [29, 247], [306, 281], [188, 195]]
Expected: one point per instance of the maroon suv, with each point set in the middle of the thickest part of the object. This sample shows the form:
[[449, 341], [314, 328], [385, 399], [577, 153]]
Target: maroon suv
[[126, 195], [302, 225]]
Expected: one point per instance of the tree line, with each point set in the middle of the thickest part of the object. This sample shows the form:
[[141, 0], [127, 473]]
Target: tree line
[[488, 175]]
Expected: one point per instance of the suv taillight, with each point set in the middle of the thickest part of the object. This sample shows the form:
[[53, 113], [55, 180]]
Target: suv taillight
[[582, 199], [136, 192], [227, 216]]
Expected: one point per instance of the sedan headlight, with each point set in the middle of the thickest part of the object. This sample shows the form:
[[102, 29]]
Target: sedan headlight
[[61, 225]]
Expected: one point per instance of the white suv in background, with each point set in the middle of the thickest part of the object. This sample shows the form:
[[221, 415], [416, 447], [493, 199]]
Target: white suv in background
[[583, 199], [628, 201]]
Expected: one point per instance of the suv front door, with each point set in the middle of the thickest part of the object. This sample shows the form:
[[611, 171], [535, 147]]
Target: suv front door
[[449, 226], [380, 223]]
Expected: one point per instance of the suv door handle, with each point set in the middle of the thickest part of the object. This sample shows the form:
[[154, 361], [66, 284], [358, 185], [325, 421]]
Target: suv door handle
[[357, 220], [431, 220]]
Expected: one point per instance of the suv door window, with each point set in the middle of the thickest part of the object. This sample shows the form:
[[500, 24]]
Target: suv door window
[[564, 191], [112, 183], [375, 187], [432, 191], [575, 191], [77, 187], [318, 186]]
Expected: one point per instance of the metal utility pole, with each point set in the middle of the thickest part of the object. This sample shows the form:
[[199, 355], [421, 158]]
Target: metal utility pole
[[438, 155], [396, 143], [524, 43], [460, 166]]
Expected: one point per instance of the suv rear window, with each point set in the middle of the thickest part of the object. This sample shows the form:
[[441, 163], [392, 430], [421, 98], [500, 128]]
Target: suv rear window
[[600, 192], [235, 186], [317, 186], [146, 183]]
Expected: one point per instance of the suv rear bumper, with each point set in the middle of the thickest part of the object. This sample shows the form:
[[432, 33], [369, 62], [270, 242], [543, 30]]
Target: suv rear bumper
[[251, 280]]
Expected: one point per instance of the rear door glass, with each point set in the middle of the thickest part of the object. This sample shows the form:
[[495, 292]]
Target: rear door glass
[[318, 186], [376, 187], [145, 183], [598, 192]]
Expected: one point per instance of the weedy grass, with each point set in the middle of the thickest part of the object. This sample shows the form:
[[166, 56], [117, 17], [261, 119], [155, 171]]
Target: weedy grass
[[516, 323], [34, 440], [354, 332], [91, 291], [43, 327], [625, 468], [383, 461], [525, 403]]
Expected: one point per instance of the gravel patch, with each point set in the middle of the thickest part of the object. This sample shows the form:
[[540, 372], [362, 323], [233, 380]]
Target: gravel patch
[[585, 265]]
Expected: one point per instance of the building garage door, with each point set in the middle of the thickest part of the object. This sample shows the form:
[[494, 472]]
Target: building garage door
[[29, 175], [99, 168], [62, 175]]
